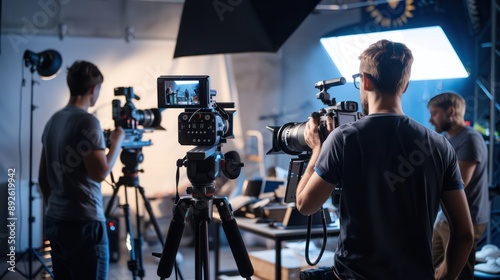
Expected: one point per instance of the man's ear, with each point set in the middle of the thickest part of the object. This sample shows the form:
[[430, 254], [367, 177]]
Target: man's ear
[[93, 90], [406, 87], [367, 83], [450, 112]]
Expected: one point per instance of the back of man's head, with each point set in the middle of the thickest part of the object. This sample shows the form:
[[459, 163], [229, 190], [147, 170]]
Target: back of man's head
[[449, 99], [82, 75], [388, 64]]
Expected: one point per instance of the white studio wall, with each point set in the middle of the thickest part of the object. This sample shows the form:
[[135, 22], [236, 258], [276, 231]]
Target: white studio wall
[[136, 64]]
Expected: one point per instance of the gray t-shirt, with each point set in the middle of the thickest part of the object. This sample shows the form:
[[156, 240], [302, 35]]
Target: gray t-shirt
[[470, 146], [392, 171], [70, 134]]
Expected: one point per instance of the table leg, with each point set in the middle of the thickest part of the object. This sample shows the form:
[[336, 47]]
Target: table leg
[[278, 260]]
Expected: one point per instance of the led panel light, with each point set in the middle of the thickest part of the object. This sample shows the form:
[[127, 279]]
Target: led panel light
[[434, 56]]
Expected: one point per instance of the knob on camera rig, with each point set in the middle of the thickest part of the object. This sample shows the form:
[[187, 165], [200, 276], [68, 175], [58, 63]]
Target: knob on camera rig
[[206, 125]]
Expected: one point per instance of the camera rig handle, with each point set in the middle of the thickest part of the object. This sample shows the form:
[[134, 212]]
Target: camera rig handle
[[323, 86], [128, 92]]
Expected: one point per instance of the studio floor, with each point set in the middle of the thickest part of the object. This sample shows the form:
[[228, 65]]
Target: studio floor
[[120, 271]]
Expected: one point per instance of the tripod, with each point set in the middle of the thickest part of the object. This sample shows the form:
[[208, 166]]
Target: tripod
[[131, 159], [202, 172]]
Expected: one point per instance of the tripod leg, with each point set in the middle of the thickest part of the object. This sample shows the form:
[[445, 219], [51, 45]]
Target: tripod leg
[[234, 238], [152, 217], [147, 204], [174, 236], [132, 263], [44, 265], [111, 201], [138, 241], [202, 263], [206, 251]]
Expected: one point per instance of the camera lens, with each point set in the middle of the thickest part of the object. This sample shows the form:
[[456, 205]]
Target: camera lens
[[149, 118], [290, 138]]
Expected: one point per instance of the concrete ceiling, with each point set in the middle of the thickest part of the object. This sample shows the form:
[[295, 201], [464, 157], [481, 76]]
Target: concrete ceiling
[[141, 19], [128, 19]]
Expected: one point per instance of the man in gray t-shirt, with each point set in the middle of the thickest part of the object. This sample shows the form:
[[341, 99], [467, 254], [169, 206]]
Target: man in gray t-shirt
[[447, 115], [72, 166]]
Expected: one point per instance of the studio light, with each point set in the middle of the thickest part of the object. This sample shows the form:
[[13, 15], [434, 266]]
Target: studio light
[[434, 56], [47, 63]]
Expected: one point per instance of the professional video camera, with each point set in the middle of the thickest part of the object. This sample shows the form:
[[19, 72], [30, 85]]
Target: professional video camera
[[289, 138], [130, 118], [204, 122], [206, 125]]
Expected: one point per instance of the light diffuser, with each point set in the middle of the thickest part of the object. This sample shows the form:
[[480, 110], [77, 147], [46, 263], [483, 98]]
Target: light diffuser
[[434, 56]]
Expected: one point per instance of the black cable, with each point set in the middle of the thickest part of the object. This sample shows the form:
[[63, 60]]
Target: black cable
[[177, 198], [308, 238]]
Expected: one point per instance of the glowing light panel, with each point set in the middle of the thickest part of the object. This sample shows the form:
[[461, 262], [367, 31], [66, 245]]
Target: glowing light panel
[[434, 56]]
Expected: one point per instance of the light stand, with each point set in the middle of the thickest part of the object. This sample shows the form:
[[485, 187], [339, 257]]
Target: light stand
[[47, 64]]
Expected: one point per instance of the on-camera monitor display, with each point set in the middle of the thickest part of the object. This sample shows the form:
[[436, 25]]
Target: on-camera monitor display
[[182, 92], [346, 118]]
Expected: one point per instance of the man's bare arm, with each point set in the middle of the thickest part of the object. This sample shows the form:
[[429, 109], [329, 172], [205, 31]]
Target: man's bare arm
[[99, 164], [312, 190], [456, 209]]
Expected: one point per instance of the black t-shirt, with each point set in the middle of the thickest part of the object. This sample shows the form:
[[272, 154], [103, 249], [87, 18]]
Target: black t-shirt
[[392, 171]]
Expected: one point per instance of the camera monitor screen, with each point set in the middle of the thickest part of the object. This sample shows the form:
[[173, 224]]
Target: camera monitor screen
[[346, 118], [295, 171], [183, 91]]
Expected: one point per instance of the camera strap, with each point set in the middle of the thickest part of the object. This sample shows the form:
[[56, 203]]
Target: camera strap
[[308, 238]]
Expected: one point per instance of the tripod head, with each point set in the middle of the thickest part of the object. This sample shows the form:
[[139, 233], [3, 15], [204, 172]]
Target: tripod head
[[207, 163], [131, 159]]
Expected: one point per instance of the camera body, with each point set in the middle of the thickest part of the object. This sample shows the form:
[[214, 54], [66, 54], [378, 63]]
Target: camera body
[[203, 128], [341, 113], [130, 118], [289, 138], [203, 122]]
